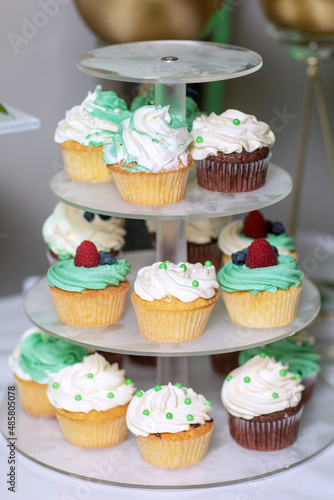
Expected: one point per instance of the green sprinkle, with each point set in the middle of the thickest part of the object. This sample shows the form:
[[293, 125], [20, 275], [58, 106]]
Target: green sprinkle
[[275, 395], [195, 283], [208, 403], [146, 412], [169, 415], [167, 262], [208, 263], [282, 373], [78, 397], [190, 418], [128, 381], [139, 394], [55, 385], [90, 375], [298, 376], [184, 390], [199, 138], [236, 121], [157, 388], [229, 377], [247, 380], [177, 384], [163, 265], [187, 401], [263, 355], [110, 395], [183, 266]]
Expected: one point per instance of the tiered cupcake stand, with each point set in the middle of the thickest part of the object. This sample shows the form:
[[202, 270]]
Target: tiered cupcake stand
[[170, 65]]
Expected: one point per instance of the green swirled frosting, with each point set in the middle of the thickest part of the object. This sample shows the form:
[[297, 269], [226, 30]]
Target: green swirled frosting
[[66, 276], [299, 353], [107, 106], [278, 240], [237, 278], [42, 355]]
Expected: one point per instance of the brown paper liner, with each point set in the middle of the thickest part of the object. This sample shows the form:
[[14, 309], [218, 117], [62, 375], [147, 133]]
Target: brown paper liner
[[172, 320], [309, 383], [231, 177], [225, 363], [84, 163], [33, 397], [90, 308], [263, 310], [151, 189], [96, 429], [267, 432], [181, 449]]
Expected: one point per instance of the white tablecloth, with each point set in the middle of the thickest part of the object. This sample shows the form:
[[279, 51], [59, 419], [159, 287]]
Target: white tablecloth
[[312, 480]]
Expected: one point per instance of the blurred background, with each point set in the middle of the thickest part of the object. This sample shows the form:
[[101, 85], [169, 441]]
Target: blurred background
[[41, 41]]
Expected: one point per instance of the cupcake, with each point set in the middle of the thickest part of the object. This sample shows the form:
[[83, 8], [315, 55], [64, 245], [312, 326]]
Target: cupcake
[[202, 235], [34, 361], [91, 289], [84, 130], [239, 234], [298, 352], [225, 362], [172, 425], [231, 151], [263, 400], [148, 157], [173, 302], [148, 98], [90, 400], [259, 288], [67, 227]]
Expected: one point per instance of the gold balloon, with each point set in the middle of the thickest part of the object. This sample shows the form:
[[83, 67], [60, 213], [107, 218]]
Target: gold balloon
[[116, 21], [311, 16]]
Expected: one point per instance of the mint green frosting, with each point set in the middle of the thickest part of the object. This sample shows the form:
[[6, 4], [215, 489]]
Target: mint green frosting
[[299, 353], [146, 99], [237, 278], [107, 106], [66, 276], [42, 356], [277, 240]]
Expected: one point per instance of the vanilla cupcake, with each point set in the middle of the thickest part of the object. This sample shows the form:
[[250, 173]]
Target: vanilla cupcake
[[172, 425], [34, 361], [90, 400], [67, 227], [84, 130], [263, 400], [148, 157], [173, 302], [231, 151]]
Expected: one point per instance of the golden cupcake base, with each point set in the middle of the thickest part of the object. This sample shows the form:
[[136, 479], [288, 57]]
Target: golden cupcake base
[[84, 163], [33, 397]]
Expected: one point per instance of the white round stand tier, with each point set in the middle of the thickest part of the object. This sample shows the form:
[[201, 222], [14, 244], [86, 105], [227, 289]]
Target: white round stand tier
[[198, 203], [220, 335], [41, 440]]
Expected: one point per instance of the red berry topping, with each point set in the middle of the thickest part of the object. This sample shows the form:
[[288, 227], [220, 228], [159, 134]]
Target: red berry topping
[[255, 226], [261, 254], [87, 255]]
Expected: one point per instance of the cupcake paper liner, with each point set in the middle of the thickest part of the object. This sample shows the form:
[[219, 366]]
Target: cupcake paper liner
[[94, 429], [170, 454], [84, 163], [231, 177], [269, 435], [224, 363], [33, 398], [309, 383], [263, 310], [172, 325], [90, 308], [202, 253]]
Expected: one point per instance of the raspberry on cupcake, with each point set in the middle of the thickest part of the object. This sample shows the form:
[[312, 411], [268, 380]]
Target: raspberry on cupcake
[[231, 151], [91, 289], [261, 288], [239, 234]]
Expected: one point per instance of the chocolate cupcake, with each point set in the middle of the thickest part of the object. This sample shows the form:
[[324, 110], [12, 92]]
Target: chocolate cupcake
[[231, 151]]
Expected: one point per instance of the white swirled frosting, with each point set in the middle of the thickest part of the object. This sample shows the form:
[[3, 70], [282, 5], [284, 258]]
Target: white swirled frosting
[[168, 408], [231, 240], [259, 387], [66, 228], [93, 384], [199, 231], [231, 132], [150, 140], [187, 282]]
